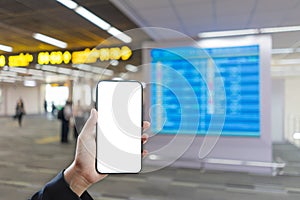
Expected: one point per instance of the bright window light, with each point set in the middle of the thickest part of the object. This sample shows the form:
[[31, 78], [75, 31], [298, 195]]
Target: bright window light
[[29, 83], [6, 48], [296, 136], [228, 33], [68, 3], [49, 40], [92, 18]]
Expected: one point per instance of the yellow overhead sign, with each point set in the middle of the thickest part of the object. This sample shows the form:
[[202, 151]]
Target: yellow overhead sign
[[21, 60], [54, 58], [86, 56], [2, 61], [103, 54], [60, 57]]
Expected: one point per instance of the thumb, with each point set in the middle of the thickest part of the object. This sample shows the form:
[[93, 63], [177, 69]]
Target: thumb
[[91, 122], [93, 117]]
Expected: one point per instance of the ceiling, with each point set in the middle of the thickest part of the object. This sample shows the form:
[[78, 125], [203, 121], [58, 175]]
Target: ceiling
[[195, 16], [19, 19], [192, 17]]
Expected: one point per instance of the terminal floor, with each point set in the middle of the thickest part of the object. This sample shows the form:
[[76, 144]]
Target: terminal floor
[[32, 155]]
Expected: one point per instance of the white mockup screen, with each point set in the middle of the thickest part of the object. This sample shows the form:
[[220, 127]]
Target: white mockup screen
[[119, 127]]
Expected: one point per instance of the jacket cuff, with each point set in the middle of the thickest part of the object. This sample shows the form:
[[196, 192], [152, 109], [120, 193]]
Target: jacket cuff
[[58, 189]]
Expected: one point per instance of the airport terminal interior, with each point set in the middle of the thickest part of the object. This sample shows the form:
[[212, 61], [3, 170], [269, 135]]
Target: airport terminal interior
[[220, 82]]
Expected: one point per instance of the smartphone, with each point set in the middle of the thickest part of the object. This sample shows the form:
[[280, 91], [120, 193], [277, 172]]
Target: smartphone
[[119, 127]]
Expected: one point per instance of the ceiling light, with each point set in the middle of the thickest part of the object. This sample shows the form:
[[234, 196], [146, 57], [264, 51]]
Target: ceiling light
[[114, 62], [84, 67], [282, 51], [49, 68], [50, 40], [120, 35], [228, 33], [6, 48], [63, 70], [35, 72], [131, 68], [92, 18], [68, 3], [19, 70], [9, 73], [248, 31], [280, 29], [96, 20]]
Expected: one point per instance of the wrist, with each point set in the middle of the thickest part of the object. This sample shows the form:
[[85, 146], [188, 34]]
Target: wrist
[[77, 183]]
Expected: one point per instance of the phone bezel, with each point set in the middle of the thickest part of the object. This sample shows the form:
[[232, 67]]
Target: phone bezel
[[96, 106]]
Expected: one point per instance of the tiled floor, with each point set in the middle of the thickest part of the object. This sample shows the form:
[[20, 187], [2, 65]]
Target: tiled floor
[[32, 155]]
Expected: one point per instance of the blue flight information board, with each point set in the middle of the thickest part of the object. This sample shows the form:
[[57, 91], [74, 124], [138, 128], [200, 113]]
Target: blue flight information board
[[186, 93]]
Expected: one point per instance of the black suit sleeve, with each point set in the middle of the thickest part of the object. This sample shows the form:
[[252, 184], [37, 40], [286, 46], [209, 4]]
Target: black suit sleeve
[[58, 189]]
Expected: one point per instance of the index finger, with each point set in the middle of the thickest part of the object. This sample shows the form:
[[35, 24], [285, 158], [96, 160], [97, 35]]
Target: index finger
[[146, 125]]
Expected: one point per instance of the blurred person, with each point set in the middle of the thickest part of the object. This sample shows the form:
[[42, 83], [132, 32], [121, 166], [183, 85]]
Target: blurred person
[[20, 111], [53, 108], [65, 121], [72, 183], [45, 106]]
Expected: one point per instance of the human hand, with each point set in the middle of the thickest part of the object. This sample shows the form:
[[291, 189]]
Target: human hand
[[81, 174]]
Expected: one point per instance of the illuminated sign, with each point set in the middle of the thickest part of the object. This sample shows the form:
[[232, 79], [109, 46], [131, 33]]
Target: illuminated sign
[[54, 57], [86, 56], [103, 54], [125, 53], [2, 61], [76, 57], [21, 60]]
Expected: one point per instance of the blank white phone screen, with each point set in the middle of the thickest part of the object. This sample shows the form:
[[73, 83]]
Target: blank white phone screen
[[119, 127]]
